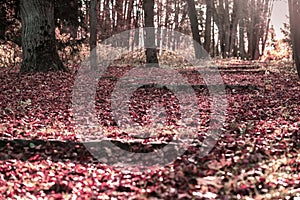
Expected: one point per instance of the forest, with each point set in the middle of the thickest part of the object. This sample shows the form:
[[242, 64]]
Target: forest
[[149, 99]]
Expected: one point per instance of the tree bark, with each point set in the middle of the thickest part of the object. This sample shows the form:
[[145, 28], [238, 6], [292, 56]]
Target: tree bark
[[129, 14], [120, 23], [38, 37], [255, 28], [195, 27], [242, 15], [129, 22], [137, 14], [267, 14], [233, 28], [242, 52], [294, 10], [207, 39], [227, 29], [93, 33], [151, 53], [221, 16], [250, 30], [167, 22]]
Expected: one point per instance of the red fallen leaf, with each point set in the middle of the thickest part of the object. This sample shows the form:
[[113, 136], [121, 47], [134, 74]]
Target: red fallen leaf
[[210, 180], [34, 158], [56, 196], [31, 188], [269, 185], [58, 188], [184, 196], [11, 194], [252, 106], [216, 165], [262, 179], [211, 172], [243, 187]]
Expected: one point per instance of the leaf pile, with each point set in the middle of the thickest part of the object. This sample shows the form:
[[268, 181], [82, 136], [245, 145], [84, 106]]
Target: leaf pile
[[256, 156]]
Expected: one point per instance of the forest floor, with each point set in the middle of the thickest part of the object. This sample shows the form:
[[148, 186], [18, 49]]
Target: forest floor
[[257, 155]]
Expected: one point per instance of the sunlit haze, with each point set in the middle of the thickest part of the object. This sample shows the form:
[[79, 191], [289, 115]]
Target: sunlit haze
[[280, 11]]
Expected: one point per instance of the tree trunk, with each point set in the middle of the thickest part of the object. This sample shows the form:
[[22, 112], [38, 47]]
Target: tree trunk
[[242, 52], [267, 14], [250, 30], [233, 28], [256, 38], [151, 54], [167, 22], [195, 27], [213, 39], [221, 16], [294, 10], [93, 33], [255, 28], [38, 37], [129, 14], [227, 30], [137, 15], [207, 39], [107, 21], [129, 22], [120, 23], [176, 24]]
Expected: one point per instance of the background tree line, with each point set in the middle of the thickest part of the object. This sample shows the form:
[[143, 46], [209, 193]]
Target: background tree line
[[226, 28]]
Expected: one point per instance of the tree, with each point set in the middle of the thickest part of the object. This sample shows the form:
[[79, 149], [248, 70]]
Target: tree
[[38, 37], [235, 15], [194, 26], [208, 26], [258, 25], [235, 19], [151, 54], [241, 46], [93, 33], [294, 10], [222, 18]]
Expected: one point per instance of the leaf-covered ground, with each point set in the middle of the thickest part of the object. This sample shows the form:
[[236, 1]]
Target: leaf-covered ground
[[256, 157]]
